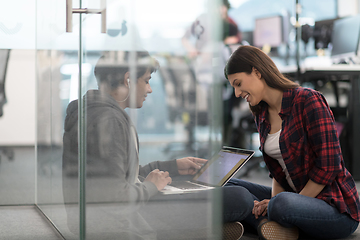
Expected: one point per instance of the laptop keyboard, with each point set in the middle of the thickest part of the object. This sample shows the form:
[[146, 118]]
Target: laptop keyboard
[[185, 185]]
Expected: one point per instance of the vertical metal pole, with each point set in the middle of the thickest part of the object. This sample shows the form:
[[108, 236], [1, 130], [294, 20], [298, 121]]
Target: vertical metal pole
[[81, 106], [103, 16], [69, 15], [298, 37], [81, 142], [70, 11], [354, 115]]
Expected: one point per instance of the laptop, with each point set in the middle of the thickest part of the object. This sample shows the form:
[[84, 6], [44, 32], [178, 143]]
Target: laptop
[[214, 173]]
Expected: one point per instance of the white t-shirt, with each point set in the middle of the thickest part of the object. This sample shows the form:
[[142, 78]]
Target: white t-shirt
[[272, 148]]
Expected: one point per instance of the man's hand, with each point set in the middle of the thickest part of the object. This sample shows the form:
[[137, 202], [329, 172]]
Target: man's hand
[[159, 178], [189, 165]]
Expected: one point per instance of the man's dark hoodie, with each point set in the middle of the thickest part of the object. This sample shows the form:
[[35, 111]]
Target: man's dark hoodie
[[111, 152]]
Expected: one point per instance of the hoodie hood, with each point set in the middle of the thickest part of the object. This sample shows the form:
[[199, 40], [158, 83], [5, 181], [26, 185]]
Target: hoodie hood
[[71, 115], [96, 103]]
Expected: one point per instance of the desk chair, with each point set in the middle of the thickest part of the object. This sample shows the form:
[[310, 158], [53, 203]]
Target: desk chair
[[4, 59], [180, 87]]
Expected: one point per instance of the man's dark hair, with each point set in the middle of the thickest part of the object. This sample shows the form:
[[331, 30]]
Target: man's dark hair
[[112, 66], [226, 3]]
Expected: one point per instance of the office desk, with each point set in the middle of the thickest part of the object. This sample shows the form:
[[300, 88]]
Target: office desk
[[334, 74]]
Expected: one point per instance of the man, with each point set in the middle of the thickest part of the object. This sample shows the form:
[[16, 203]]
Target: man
[[112, 163]]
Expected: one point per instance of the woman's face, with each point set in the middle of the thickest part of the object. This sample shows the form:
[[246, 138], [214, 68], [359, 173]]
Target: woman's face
[[248, 86]]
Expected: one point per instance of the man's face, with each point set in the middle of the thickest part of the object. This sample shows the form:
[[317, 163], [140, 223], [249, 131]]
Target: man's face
[[143, 88]]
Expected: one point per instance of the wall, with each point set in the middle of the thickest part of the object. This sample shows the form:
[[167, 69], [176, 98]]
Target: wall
[[17, 31], [348, 7], [17, 125]]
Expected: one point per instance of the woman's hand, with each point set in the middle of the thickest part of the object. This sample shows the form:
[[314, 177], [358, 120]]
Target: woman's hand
[[189, 165], [260, 208]]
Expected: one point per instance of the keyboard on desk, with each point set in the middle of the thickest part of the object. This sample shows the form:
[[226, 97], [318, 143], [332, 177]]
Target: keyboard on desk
[[186, 185]]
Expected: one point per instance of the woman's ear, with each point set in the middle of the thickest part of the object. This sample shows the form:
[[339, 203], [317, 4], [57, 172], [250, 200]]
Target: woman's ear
[[258, 74]]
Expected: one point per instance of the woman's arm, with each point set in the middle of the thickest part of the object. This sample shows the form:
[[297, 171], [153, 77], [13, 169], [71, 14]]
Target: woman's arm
[[312, 189], [276, 188], [323, 139]]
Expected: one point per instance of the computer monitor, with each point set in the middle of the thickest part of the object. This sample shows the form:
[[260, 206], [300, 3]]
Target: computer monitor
[[345, 40], [322, 33], [268, 31], [248, 36]]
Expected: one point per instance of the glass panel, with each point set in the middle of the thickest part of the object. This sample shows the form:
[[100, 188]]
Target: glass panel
[[57, 70], [17, 103], [179, 118], [173, 114]]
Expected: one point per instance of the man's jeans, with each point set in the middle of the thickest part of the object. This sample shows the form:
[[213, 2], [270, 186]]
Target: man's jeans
[[314, 217]]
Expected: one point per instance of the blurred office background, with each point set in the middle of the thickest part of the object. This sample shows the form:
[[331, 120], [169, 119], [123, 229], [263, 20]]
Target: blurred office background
[[192, 110]]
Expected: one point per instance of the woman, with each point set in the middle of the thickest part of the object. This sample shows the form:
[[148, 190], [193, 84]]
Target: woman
[[311, 191]]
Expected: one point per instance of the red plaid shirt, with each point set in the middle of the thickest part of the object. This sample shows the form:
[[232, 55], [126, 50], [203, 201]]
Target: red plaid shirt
[[310, 148]]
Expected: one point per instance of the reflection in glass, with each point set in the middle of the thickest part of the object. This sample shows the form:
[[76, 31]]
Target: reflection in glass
[[117, 188]]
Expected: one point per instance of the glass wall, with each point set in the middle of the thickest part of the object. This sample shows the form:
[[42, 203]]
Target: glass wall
[[109, 102], [17, 103], [54, 49]]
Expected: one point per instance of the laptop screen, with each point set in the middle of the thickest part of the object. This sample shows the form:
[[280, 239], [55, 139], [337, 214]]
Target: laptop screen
[[223, 166]]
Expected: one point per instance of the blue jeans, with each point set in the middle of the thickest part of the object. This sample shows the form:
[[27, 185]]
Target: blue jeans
[[314, 217], [237, 203]]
